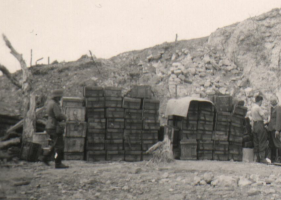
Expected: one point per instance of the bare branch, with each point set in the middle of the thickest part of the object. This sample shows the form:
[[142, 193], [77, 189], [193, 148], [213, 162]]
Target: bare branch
[[6, 72]]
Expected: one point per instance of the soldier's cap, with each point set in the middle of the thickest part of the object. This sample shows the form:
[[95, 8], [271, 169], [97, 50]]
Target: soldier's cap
[[57, 93]]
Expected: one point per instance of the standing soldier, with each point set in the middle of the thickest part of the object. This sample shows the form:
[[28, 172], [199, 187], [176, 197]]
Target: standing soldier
[[54, 129], [274, 128], [259, 132]]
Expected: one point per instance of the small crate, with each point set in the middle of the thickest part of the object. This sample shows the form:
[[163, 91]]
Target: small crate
[[223, 103], [237, 120], [206, 106], [140, 91], [146, 156], [131, 103], [113, 102], [192, 116], [220, 155], [75, 129], [205, 145], [75, 113], [72, 102], [96, 133], [235, 148], [150, 114], [146, 144], [74, 144], [206, 116], [221, 146], [115, 113], [205, 155], [189, 125], [112, 92], [115, 155], [97, 123], [204, 135], [150, 104], [151, 125], [188, 149], [193, 106], [150, 135], [220, 136], [235, 138], [95, 143], [112, 134], [30, 151], [133, 156], [237, 130], [133, 145], [236, 157], [95, 156], [95, 113], [93, 91], [133, 114], [223, 117], [73, 156], [113, 123], [188, 134], [133, 134], [222, 126], [133, 124], [114, 145], [240, 110], [205, 126], [95, 102]]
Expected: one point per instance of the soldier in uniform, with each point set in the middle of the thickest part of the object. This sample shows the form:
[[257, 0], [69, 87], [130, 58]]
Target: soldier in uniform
[[55, 129]]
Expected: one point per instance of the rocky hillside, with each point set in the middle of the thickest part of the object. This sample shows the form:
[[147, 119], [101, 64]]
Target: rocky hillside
[[242, 59]]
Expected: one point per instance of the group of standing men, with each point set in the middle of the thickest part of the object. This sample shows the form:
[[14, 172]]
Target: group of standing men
[[267, 144]]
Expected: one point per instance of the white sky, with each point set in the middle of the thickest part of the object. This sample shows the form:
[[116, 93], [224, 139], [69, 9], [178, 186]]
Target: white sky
[[67, 29]]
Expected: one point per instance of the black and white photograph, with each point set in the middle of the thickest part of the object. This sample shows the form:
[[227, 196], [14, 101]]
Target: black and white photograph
[[140, 100]]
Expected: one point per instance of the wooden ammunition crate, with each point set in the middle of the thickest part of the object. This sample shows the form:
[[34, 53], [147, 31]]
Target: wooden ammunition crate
[[112, 92], [204, 135], [97, 123], [95, 143], [206, 106], [192, 116], [146, 156], [133, 124], [95, 156], [93, 91], [235, 138], [73, 156], [133, 156], [220, 155], [146, 144], [206, 116], [150, 114], [114, 145], [220, 136], [72, 102], [113, 123], [75, 129], [115, 113], [176, 152], [133, 145], [30, 151], [150, 104], [188, 149], [235, 148], [75, 113], [205, 126], [113, 102], [205, 155], [133, 114], [221, 146], [115, 155], [223, 103], [236, 157], [237, 120], [95, 102], [133, 134], [223, 117], [205, 145], [237, 130], [193, 106], [240, 110], [95, 113], [131, 103], [189, 125], [112, 134], [140, 91], [41, 138], [151, 125], [74, 144], [222, 126], [96, 133], [150, 135], [188, 134]]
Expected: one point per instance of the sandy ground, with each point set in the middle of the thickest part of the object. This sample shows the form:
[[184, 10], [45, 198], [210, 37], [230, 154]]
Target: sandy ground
[[140, 180]]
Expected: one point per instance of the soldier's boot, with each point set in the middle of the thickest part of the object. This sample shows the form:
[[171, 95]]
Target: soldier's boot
[[61, 166], [58, 159]]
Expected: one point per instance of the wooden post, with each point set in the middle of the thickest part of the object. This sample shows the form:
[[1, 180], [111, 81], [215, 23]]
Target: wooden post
[[48, 60], [30, 57], [176, 38]]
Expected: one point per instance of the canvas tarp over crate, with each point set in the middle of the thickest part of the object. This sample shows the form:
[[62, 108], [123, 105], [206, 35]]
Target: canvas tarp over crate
[[180, 106]]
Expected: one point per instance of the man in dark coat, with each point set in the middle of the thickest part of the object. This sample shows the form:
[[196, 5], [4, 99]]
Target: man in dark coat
[[274, 128], [55, 129]]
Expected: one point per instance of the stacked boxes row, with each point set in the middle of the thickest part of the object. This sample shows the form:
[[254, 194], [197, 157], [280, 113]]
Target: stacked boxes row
[[119, 128], [75, 128]]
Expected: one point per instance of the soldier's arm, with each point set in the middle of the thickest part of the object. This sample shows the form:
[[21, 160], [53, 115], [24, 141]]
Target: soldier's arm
[[58, 114], [278, 118]]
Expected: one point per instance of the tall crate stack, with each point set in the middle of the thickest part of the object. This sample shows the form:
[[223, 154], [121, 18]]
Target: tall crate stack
[[96, 131], [237, 130], [115, 117], [75, 128], [205, 127]]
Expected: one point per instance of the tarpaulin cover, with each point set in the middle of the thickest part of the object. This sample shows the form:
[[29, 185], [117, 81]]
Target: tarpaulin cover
[[180, 106]]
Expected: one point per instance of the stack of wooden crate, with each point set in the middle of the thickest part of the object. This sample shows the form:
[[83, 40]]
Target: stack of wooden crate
[[237, 130], [75, 128]]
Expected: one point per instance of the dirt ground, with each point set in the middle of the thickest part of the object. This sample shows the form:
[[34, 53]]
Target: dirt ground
[[179, 180]]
